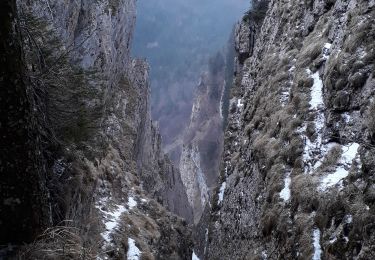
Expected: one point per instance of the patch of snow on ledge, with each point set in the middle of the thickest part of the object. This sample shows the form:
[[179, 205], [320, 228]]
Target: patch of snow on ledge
[[111, 221], [342, 171], [194, 256], [348, 219], [327, 45], [285, 193], [239, 103], [316, 91], [133, 252], [131, 203], [327, 50], [311, 149], [264, 255], [316, 244], [346, 117], [221, 192]]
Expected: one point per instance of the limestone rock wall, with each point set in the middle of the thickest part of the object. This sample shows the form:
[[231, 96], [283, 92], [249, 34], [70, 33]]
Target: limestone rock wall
[[297, 177], [107, 176]]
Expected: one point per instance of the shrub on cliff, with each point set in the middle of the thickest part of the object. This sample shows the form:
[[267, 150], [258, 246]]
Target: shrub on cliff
[[65, 99], [257, 12]]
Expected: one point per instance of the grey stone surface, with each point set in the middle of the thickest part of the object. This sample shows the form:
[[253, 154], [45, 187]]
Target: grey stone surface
[[268, 138], [127, 164]]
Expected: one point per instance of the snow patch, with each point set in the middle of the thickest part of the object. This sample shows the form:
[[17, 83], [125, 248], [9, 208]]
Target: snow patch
[[326, 50], [346, 117], [327, 45], [111, 221], [348, 219], [239, 103], [316, 90], [333, 179], [194, 256], [312, 149], [133, 252], [333, 240], [342, 171], [131, 203], [264, 255], [221, 192], [316, 244], [350, 153], [285, 192]]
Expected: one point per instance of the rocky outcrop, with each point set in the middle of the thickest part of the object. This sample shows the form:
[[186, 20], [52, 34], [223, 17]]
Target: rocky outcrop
[[107, 177], [297, 177], [202, 141]]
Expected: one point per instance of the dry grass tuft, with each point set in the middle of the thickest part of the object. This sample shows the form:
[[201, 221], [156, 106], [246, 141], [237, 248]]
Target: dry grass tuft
[[304, 193], [60, 242]]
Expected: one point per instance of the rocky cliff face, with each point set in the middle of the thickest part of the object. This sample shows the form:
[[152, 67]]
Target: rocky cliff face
[[297, 178], [202, 144], [198, 151], [107, 176]]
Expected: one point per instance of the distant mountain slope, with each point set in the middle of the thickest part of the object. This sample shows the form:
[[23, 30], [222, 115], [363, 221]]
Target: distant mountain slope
[[178, 37]]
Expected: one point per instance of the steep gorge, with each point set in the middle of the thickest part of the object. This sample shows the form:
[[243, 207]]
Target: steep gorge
[[278, 164]]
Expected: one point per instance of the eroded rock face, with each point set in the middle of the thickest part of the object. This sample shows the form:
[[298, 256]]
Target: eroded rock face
[[100, 32], [202, 141], [297, 175], [115, 185]]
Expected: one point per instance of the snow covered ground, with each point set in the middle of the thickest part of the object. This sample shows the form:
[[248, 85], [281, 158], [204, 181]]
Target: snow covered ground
[[316, 243], [111, 221], [111, 214], [239, 103], [350, 153], [133, 252], [326, 50], [313, 149], [285, 192], [221, 192], [194, 256], [316, 101], [131, 203], [222, 187]]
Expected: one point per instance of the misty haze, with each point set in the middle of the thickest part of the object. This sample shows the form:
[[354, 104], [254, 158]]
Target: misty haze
[[178, 37]]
